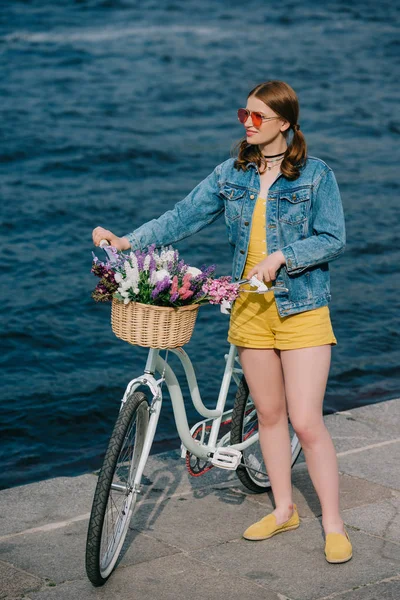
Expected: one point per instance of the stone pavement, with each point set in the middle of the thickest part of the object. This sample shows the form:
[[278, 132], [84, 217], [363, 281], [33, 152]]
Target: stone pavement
[[186, 539]]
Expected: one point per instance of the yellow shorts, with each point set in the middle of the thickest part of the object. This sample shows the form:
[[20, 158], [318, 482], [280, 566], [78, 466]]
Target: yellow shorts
[[256, 323]]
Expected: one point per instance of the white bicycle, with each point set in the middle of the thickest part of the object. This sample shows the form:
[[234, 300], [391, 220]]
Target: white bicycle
[[224, 439]]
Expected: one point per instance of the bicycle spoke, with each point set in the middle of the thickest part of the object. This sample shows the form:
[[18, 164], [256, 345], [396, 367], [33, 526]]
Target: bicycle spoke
[[264, 473]]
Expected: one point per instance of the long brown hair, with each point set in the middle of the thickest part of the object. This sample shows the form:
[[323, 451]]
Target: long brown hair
[[282, 99]]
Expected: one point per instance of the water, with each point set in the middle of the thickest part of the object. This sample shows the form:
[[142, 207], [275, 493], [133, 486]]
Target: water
[[113, 111]]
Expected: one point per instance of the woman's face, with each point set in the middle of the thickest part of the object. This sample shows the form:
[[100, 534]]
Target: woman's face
[[268, 131]]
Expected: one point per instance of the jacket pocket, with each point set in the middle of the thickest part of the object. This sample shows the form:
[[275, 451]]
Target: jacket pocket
[[294, 207], [233, 197]]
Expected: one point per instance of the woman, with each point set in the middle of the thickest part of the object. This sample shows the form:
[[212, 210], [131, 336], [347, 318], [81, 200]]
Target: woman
[[285, 222]]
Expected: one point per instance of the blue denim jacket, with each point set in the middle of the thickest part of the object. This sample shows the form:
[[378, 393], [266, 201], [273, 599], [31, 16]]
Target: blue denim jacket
[[304, 219]]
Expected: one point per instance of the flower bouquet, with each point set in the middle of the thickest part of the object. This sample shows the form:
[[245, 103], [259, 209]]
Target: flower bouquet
[[155, 295]]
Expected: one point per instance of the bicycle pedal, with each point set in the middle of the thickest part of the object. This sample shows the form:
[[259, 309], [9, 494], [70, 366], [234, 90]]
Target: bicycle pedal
[[227, 458]]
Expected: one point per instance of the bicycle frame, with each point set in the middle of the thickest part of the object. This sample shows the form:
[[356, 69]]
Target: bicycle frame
[[156, 363]]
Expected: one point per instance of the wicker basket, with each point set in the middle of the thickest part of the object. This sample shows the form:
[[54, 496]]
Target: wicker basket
[[153, 326]]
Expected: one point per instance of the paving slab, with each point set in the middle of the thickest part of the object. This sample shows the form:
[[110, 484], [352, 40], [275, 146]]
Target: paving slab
[[166, 474], [387, 414], [293, 563], [49, 501], [355, 430], [169, 578], [59, 555], [36, 504], [382, 590], [378, 464], [15, 583], [354, 492], [197, 522], [379, 518]]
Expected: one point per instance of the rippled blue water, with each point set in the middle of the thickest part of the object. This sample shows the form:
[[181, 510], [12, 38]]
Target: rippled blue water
[[110, 113]]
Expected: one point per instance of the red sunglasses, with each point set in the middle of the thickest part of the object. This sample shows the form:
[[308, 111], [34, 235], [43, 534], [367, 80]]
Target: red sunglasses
[[256, 117]]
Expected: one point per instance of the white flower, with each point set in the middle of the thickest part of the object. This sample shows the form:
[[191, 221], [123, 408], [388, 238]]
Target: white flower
[[193, 271], [132, 274], [162, 274], [125, 285], [134, 262], [152, 278], [167, 255], [146, 263], [118, 277], [158, 259], [157, 276]]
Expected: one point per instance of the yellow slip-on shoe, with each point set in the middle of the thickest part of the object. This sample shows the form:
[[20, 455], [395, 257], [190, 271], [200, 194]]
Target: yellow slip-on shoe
[[267, 527], [338, 548]]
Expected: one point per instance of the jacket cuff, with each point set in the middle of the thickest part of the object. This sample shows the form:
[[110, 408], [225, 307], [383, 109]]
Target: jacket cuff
[[133, 240], [291, 260]]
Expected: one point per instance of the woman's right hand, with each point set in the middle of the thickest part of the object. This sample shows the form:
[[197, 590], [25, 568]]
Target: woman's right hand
[[99, 233]]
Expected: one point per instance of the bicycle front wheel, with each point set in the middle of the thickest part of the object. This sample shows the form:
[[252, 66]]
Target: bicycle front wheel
[[115, 496], [252, 471]]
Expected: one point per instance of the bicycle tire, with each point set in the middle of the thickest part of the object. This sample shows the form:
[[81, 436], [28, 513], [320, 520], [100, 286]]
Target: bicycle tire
[[119, 470], [247, 471]]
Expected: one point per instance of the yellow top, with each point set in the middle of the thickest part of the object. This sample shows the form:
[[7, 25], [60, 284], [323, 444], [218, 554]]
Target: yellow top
[[258, 235], [257, 249]]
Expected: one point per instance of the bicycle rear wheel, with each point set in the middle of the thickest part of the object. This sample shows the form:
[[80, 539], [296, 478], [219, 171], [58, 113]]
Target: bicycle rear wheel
[[252, 472], [115, 497]]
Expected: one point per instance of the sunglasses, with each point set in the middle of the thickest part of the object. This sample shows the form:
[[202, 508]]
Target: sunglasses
[[256, 117]]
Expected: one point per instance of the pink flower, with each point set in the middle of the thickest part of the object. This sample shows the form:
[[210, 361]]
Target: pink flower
[[186, 294], [220, 289], [185, 291], [174, 286]]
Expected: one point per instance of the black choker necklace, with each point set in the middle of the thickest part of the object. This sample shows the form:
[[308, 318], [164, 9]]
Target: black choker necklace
[[273, 155]]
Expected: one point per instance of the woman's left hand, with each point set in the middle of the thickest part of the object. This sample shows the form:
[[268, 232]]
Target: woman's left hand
[[267, 268]]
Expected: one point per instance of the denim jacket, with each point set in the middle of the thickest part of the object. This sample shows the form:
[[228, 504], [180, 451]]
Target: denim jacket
[[304, 219]]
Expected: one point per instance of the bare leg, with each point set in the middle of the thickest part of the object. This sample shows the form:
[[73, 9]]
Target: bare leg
[[306, 373], [263, 371]]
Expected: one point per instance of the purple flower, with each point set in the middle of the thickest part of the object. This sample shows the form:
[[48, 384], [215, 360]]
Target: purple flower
[[153, 265], [161, 286], [181, 266], [140, 259], [172, 264], [198, 295], [209, 271]]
